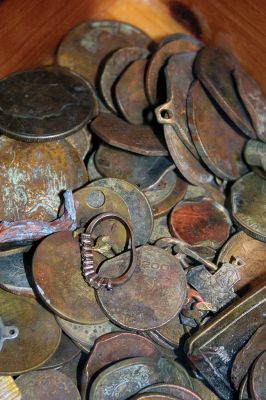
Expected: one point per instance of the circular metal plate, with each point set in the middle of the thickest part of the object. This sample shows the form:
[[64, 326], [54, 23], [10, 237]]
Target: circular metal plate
[[257, 378], [178, 392], [81, 141]]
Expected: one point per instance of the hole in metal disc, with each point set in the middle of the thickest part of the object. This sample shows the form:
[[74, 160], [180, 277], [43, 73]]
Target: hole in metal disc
[[96, 199]]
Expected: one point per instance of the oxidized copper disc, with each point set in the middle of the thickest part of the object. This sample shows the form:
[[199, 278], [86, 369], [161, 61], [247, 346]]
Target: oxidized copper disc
[[47, 385], [57, 273], [38, 338], [178, 392], [47, 103], [140, 139], [257, 381], [85, 47], [248, 200], [214, 68], [158, 61], [81, 141], [218, 143], [115, 347], [33, 175], [252, 252], [130, 93], [200, 221], [114, 66], [151, 297]]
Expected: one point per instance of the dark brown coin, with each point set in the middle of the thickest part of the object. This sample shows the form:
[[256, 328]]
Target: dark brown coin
[[33, 175], [257, 382], [200, 221], [178, 392], [141, 139], [87, 45], [114, 66], [81, 141], [247, 355], [15, 274], [130, 93], [252, 252], [214, 68], [66, 351], [114, 347], [153, 396], [173, 112], [57, 274], [45, 104], [158, 61], [143, 171], [38, 334], [172, 332], [219, 144], [47, 385], [248, 201], [151, 297]]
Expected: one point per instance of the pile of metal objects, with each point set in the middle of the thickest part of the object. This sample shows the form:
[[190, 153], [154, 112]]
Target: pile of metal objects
[[133, 209]]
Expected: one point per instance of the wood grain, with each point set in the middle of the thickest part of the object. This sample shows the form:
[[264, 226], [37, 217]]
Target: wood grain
[[31, 30]]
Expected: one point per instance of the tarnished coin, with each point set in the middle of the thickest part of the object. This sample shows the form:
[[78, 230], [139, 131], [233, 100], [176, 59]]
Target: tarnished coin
[[172, 332], [92, 170], [92, 201], [66, 351], [153, 396], [243, 392], [47, 385], [203, 391], [81, 141], [57, 273], [86, 334], [33, 176], [166, 194], [114, 66], [45, 104], [38, 334], [9, 389], [15, 274], [200, 221], [248, 201], [257, 381], [214, 68], [138, 206], [179, 36], [252, 252], [72, 369], [178, 392], [140, 139], [173, 372], [218, 143], [85, 47], [255, 155], [158, 61], [142, 171], [151, 297], [173, 112], [115, 347], [130, 93], [160, 229]]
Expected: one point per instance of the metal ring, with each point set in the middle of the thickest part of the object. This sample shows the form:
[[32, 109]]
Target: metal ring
[[88, 269]]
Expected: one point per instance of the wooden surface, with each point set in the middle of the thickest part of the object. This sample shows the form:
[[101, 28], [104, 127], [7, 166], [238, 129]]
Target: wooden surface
[[31, 30]]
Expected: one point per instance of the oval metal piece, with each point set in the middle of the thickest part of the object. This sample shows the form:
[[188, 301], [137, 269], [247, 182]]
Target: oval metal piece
[[178, 392], [39, 334], [154, 294], [33, 175], [47, 385], [257, 378], [130, 93], [200, 221], [252, 252], [141, 215], [218, 143], [214, 68], [81, 141], [85, 47], [140, 139], [248, 200], [63, 288], [45, 104], [114, 66]]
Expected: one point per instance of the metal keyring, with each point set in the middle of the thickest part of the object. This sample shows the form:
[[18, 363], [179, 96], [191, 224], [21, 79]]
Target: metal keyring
[[88, 268]]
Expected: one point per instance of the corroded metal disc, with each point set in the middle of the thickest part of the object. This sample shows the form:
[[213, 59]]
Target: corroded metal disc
[[138, 206], [151, 297], [81, 141], [38, 338], [160, 229], [178, 392], [140, 139], [257, 378], [56, 270], [47, 385], [47, 103], [153, 396], [252, 252], [200, 220], [172, 332], [32, 175], [248, 200]]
